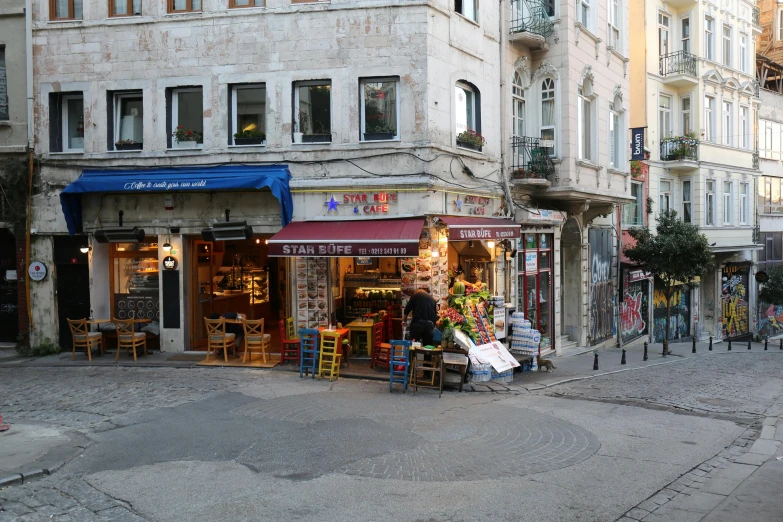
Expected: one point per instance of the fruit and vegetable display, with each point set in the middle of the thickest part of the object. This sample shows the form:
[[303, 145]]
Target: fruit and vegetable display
[[469, 312]]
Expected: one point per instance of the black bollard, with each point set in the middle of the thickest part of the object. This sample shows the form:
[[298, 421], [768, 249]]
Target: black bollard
[[781, 344], [622, 360], [710, 343], [693, 350], [748, 344], [766, 341], [729, 344], [665, 349], [595, 362], [645, 352]]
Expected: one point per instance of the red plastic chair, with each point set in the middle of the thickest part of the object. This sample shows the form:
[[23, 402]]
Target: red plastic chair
[[289, 348], [381, 351]]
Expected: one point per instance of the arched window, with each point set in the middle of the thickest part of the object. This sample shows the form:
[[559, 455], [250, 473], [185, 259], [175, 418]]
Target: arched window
[[548, 127], [585, 114], [517, 107], [468, 108]]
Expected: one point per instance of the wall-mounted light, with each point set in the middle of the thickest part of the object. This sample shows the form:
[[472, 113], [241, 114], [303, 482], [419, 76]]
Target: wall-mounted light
[[258, 241], [85, 249], [266, 241], [490, 245], [167, 245]]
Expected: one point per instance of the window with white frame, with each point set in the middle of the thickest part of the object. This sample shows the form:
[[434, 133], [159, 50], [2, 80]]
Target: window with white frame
[[664, 115], [663, 34], [780, 24], [687, 202], [248, 114], [66, 125], [548, 124], [583, 12], [709, 38], [614, 140], [727, 203], [743, 53], [380, 109], [744, 128], [744, 203], [467, 8], [728, 123], [613, 23], [584, 117], [128, 128], [709, 202], [709, 118], [664, 196], [685, 115], [727, 45], [187, 117], [549, 5], [467, 109], [313, 111], [633, 212], [518, 106], [685, 34]]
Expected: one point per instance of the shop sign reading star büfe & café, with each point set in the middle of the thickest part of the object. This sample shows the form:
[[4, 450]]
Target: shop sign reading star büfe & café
[[364, 203]]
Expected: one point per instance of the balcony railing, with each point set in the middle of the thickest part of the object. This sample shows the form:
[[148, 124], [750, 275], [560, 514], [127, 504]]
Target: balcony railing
[[756, 160], [529, 159], [756, 17], [681, 62], [679, 148], [531, 16]]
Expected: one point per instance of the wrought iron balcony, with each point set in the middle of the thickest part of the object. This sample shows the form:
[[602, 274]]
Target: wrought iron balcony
[[681, 62], [756, 16], [679, 148], [756, 160], [529, 159], [532, 16]]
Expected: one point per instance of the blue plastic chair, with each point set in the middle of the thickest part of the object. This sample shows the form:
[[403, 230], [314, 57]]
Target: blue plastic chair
[[308, 350], [399, 364]]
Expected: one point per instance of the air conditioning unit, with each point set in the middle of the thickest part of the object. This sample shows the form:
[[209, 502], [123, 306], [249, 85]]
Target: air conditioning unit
[[238, 230], [119, 235]]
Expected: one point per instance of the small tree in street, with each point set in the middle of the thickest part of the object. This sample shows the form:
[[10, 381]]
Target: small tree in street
[[676, 253], [772, 290]]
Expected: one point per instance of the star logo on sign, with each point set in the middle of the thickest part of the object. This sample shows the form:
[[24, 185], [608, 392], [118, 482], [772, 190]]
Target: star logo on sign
[[332, 205], [458, 204]]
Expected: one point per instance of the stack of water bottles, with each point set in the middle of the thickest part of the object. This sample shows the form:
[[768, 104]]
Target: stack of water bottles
[[505, 377], [481, 372], [524, 339]]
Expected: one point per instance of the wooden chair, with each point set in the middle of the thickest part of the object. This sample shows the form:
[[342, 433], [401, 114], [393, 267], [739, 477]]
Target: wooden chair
[[129, 338], [217, 338], [83, 338], [381, 351], [399, 364], [427, 361], [387, 325], [255, 338], [330, 355], [308, 348], [289, 346]]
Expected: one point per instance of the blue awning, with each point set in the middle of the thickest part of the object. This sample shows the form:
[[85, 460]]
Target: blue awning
[[186, 179]]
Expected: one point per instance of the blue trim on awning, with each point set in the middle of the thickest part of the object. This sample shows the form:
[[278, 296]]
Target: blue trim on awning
[[185, 179]]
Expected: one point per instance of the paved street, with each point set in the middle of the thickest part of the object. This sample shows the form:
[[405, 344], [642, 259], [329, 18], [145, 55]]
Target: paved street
[[666, 442]]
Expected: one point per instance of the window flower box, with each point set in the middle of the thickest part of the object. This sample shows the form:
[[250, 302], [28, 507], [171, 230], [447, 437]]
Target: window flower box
[[378, 136], [471, 139], [316, 138], [129, 145], [471, 146], [249, 138], [185, 144], [185, 138]]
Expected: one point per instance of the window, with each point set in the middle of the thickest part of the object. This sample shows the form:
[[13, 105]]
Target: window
[[743, 53], [466, 109], [547, 129], [727, 45], [709, 38], [246, 3], [685, 34], [780, 24], [727, 207], [380, 109], [549, 5], [709, 118], [517, 107], [614, 140], [4, 113], [467, 8], [187, 115], [248, 114], [127, 130], [613, 24], [584, 12], [135, 279], [584, 116], [664, 115], [687, 202], [183, 6], [728, 124], [709, 214], [313, 114], [743, 128], [685, 115], [665, 196], [65, 9], [632, 212], [663, 34], [744, 203], [124, 7], [66, 127]]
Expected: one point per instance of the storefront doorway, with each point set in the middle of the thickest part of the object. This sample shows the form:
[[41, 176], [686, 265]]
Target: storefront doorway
[[9, 319], [73, 284], [535, 283]]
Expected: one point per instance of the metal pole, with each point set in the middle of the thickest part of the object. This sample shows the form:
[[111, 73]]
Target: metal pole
[[595, 361], [710, 343], [645, 352], [622, 361]]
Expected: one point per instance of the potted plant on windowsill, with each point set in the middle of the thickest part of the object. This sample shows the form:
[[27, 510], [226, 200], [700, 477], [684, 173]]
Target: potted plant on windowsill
[[249, 137], [378, 131], [128, 145], [185, 138], [321, 135], [300, 125], [471, 139]]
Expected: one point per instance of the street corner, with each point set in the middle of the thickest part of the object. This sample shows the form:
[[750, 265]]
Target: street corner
[[33, 449]]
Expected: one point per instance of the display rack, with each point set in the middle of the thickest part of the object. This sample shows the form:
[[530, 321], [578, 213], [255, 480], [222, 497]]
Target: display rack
[[257, 282]]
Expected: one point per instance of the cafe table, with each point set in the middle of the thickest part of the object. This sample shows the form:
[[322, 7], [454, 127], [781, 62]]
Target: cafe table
[[365, 327]]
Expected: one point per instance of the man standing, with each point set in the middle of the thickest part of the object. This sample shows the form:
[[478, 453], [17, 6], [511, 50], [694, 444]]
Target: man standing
[[422, 304]]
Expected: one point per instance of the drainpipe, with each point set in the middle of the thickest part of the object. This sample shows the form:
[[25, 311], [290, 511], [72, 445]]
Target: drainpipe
[[28, 16], [503, 39]]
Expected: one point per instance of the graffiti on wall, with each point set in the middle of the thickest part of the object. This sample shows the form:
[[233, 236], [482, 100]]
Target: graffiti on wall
[[770, 319], [679, 314], [633, 311], [734, 300], [601, 288]]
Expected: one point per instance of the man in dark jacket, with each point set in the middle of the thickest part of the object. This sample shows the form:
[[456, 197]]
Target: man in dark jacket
[[422, 304]]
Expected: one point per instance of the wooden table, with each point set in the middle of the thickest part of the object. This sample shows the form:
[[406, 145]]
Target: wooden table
[[363, 327], [459, 360], [414, 381]]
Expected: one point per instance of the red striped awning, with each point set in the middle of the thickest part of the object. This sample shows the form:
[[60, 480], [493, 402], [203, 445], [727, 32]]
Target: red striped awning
[[374, 238], [476, 228]]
